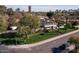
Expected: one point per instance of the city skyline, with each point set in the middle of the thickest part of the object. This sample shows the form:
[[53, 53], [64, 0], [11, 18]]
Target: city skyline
[[43, 8]]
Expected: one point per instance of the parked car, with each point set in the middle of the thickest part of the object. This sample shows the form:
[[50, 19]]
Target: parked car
[[56, 50], [61, 48]]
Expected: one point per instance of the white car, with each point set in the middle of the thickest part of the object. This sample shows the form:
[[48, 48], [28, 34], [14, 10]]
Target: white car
[[13, 27]]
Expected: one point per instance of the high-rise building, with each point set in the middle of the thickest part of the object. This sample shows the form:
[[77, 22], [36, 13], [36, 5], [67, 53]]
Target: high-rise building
[[29, 8]]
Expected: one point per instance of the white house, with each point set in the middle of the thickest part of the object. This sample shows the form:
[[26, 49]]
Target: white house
[[47, 23]]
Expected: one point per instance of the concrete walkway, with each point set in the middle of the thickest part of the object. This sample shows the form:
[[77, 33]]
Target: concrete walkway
[[43, 46]]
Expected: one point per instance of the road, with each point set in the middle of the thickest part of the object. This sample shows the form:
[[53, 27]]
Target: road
[[44, 48]]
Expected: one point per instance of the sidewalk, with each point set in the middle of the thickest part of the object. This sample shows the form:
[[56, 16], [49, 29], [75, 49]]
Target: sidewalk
[[42, 42]]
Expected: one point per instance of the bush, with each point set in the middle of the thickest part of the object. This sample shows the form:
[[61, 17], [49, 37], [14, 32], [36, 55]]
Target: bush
[[68, 26], [74, 39], [12, 41], [8, 35]]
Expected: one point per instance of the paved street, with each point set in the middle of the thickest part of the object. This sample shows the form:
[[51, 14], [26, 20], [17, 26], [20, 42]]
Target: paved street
[[43, 48]]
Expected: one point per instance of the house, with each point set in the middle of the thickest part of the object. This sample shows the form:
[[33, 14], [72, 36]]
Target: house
[[47, 23]]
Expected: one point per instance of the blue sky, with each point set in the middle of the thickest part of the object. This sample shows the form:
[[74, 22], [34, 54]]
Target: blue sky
[[44, 7]]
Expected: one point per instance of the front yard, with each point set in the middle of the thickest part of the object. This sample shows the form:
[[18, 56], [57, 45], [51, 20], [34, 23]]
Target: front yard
[[37, 38], [34, 38]]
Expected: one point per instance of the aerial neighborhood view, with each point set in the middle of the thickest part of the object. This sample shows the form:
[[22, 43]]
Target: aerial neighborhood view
[[39, 28]]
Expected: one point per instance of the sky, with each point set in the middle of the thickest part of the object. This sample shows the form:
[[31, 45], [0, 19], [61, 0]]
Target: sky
[[44, 7]]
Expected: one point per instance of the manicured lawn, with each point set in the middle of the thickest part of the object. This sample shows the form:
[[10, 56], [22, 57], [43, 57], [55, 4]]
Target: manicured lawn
[[34, 38], [39, 37]]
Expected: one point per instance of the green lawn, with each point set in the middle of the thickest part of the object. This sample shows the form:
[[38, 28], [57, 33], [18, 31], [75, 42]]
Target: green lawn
[[34, 38], [39, 37]]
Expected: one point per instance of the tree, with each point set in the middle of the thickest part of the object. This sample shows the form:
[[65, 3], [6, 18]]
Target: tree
[[18, 10], [49, 14], [24, 31], [29, 21], [3, 24], [59, 23], [32, 21], [3, 9], [10, 11], [14, 22]]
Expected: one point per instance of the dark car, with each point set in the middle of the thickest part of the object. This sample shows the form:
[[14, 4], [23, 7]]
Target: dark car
[[56, 50], [59, 49], [62, 47]]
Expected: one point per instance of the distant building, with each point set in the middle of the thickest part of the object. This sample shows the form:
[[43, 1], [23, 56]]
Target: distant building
[[29, 8], [48, 24]]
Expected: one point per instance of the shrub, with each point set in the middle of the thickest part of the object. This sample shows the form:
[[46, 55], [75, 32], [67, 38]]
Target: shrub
[[74, 39], [8, 35], [12, 41]]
